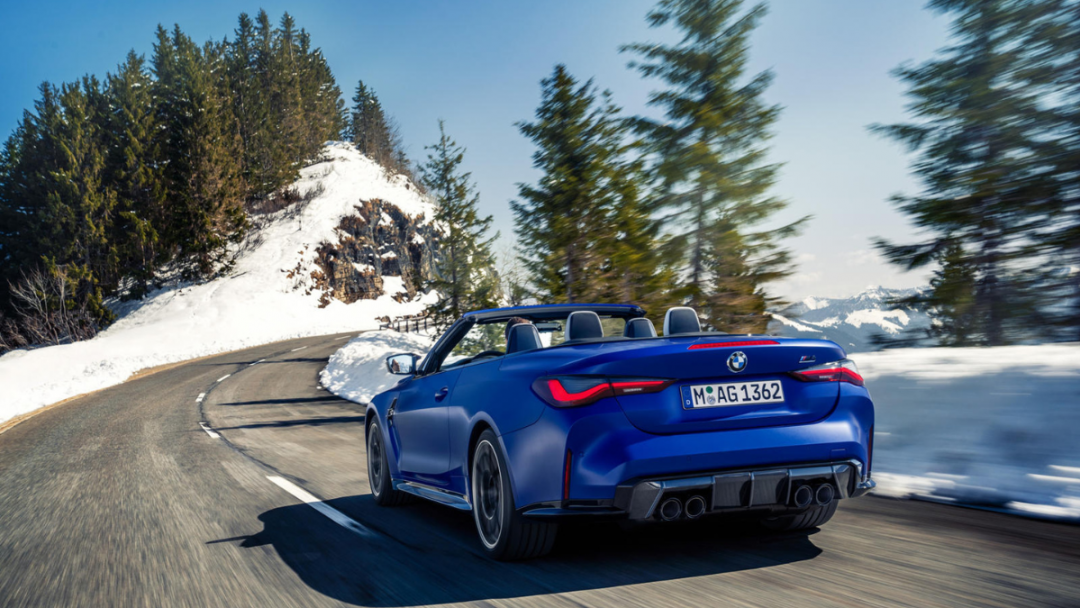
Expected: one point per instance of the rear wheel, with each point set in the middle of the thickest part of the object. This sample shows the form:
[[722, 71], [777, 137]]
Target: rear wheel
[[382, 487], [811, 518], [504, 534]]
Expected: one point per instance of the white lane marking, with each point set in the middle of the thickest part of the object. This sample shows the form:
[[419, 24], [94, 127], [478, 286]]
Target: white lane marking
[[333, 514], [200, 398], [340, 339], [223, 377], [257, 362], [296, 349], [209, 431]]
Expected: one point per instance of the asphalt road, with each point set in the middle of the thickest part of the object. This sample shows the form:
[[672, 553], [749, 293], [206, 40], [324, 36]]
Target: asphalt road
[[121, 498]]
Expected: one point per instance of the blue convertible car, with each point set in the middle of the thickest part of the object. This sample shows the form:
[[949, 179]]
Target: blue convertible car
[[531, 415]]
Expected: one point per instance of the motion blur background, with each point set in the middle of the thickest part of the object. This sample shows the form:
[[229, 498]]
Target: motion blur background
[[900, 179]]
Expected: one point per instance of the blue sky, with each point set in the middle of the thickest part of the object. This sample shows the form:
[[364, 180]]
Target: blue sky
[[477, 64]]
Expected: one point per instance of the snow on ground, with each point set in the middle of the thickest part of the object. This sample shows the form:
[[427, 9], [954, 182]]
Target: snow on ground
[[985, 426], [993, 427], [357, 371], [255, 304]]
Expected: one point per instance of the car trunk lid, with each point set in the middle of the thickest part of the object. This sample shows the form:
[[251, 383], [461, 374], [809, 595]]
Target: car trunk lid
[[703, 361]]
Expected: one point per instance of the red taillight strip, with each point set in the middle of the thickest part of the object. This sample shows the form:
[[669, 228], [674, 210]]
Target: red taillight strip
[[833, 374], [732, 344], [560, 394], [553, 389]]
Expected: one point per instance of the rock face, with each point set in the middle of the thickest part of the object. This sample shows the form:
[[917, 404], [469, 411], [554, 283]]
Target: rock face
[[377, 243]]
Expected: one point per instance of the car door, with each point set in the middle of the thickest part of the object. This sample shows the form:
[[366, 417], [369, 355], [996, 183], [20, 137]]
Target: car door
[[419, 422]]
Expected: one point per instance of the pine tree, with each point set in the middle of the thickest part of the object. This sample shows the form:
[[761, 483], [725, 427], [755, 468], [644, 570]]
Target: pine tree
[[202, 142], [709, 153], [370, 131], [561, 221], [1054, 69], [466, 278], [246, 72], [635, 270], [323, 107], [982, 138], [134, 171]]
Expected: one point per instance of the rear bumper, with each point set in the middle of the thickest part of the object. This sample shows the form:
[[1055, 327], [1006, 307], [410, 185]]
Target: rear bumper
[[609, 453], [765, 489], [769, 488]]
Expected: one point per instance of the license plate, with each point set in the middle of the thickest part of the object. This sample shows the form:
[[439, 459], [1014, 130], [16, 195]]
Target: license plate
[[732, 393]]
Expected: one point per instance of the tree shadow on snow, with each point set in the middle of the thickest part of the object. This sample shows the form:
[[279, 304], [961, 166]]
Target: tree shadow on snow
[[426, 554]]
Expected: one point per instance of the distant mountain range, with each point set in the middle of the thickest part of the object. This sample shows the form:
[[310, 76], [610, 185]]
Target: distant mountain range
[[850, 322]]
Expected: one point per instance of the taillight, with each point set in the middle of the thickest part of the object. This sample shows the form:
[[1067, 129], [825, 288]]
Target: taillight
[[843, 370], [575, 391], [633, 386]]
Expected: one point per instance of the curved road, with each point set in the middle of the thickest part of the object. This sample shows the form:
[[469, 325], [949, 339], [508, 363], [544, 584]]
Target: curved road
[[122, 498]]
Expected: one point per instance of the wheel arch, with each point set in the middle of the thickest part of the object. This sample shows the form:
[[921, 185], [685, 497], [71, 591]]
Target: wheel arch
[[482, 424]]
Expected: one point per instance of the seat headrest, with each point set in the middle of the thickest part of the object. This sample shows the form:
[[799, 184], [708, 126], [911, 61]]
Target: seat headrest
[[523, 337], [583, 325], [639, 328], [681, 320]]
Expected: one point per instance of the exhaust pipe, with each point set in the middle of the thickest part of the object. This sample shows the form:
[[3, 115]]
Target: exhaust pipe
[[670, 509], [825, 494], [802, 497], [695, 507]]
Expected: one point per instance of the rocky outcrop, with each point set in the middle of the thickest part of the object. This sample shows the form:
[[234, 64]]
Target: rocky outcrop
[[378, 242]]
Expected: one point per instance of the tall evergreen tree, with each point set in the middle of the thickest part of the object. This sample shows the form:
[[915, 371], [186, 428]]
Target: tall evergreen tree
[[370, 130], [709, 157], [634, 267], [247, 67], [135, 172], [983, 138], [466, 278], [1054, 70], [561, 222], [202, 142]]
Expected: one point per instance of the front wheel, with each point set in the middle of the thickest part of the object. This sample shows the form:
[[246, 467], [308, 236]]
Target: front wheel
[[504, 534], [382, 487]]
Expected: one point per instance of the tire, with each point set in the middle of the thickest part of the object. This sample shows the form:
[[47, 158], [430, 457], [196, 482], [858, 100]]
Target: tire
[[811, 518], [382, 488], [504, 534]]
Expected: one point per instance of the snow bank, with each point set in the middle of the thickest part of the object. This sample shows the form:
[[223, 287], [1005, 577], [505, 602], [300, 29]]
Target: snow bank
[[256, 304], [983, 426], [357, 371]]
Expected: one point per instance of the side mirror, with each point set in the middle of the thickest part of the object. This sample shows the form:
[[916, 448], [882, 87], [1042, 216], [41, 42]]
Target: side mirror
[[402, 365]]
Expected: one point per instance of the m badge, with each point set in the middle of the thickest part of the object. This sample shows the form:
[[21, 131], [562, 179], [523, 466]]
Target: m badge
[[737, 361]]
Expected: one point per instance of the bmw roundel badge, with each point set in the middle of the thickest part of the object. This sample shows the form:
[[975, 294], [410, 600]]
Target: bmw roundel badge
[[737, 361]]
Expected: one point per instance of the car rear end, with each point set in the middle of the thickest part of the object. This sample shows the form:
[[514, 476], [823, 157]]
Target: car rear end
[[687, 426]]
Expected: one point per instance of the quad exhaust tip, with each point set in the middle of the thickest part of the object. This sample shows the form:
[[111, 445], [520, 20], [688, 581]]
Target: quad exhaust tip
[[803, 496], [671, 509], [825, 494], [695, 507]]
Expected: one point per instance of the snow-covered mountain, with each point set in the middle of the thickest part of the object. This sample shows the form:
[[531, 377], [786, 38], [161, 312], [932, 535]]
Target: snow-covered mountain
[[350, 255], [850, 322]]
